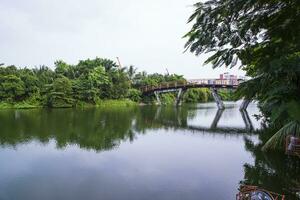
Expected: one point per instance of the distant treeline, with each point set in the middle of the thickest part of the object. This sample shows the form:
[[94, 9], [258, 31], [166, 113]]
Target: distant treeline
[[89, 82]]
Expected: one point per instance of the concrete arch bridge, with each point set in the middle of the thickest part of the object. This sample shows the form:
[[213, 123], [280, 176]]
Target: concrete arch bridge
[[180, 87]]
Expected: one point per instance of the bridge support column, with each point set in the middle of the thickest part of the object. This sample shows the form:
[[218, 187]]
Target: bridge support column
[[245, 104], [179, 97], [218, 99], [157, 97], [247, 120], [217, 119]]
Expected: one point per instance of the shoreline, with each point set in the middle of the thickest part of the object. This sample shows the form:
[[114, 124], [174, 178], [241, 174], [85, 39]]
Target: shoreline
[[100, 104]]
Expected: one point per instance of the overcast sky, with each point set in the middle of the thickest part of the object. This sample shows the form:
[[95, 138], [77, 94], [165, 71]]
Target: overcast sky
[[144, 33]]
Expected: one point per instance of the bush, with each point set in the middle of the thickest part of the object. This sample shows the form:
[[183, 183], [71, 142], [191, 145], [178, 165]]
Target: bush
[[134, 95], [197, 95], [168, 98]]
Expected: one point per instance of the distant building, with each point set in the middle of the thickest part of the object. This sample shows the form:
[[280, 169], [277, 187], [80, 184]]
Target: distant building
[[198, 81], [227, 79], [224, 79], [228, 76]]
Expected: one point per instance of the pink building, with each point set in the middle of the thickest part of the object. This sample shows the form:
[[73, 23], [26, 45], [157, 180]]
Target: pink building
[[228, 79]]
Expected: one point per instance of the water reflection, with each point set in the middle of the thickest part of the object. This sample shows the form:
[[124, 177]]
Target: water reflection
[[90, 129], [247, 120], [137, 153], [273, 171], [102, 129], [181, 118]]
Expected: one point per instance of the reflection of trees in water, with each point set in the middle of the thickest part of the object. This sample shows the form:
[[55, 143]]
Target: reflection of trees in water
[[103, 129], [98, 129], [273, 171], [89, 128]]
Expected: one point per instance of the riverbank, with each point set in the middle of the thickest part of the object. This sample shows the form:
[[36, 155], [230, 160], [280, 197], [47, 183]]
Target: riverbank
[[20, 105], [99, 104]]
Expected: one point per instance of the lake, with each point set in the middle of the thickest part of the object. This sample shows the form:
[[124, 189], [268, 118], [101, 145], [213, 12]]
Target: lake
[[135, 153]]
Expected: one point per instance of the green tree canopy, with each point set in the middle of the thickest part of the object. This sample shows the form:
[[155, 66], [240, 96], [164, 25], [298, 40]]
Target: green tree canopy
[[60, 93], [261, 37], [67, 85], [11, 88]]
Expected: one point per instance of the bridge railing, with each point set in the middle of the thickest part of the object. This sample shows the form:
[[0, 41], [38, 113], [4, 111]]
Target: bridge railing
[[166, 85], [180, 84]]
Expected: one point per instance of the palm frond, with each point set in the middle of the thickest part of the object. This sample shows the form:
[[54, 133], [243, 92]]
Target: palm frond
[[277, 140]]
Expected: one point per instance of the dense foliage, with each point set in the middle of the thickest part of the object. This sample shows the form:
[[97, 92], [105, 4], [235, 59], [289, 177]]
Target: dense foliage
[[67, 85], [262, 37], [196, 95], [88, 82]]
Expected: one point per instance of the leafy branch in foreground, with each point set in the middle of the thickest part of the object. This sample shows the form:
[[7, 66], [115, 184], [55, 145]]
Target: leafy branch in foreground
[[262, 38]]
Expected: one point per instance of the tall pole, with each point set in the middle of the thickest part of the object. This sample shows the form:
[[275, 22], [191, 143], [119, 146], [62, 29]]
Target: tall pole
[[167, 71], [120, 66]]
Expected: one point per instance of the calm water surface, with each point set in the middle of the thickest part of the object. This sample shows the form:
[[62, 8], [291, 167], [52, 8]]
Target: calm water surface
[[160, 153]]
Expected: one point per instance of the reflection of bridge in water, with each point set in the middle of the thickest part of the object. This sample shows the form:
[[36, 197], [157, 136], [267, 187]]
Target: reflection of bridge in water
[[213, 128]]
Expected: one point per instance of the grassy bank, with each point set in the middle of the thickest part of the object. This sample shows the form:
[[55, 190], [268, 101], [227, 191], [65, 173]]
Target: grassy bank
[[20, 105], [121, 103], [99, 104]]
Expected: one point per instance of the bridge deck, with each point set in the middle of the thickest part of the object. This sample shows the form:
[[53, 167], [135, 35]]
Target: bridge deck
[[187, 85]]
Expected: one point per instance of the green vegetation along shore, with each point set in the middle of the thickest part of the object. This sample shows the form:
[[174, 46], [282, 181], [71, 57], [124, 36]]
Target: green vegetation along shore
[[102, 103], [98, 82]]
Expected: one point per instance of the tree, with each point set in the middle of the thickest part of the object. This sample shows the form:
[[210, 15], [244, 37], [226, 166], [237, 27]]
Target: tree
[[134, 95], [88, 87], [11, 88], [98, 76], [197, 95], [261, 37], [63, 68], [60, 93], [69, 85], [118, 86], [31, 83], [131, 71]]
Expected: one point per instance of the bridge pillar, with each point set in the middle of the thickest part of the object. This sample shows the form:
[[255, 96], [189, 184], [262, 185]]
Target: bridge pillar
[[245, 104], [217, 119], [247, 120], [179, 97], [156, 93], [218, 99]]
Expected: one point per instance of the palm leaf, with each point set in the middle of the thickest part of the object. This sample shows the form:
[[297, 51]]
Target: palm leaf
[[277, 140], [294, 110]]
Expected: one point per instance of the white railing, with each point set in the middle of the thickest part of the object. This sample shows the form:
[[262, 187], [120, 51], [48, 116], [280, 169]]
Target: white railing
[[194, 82]]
